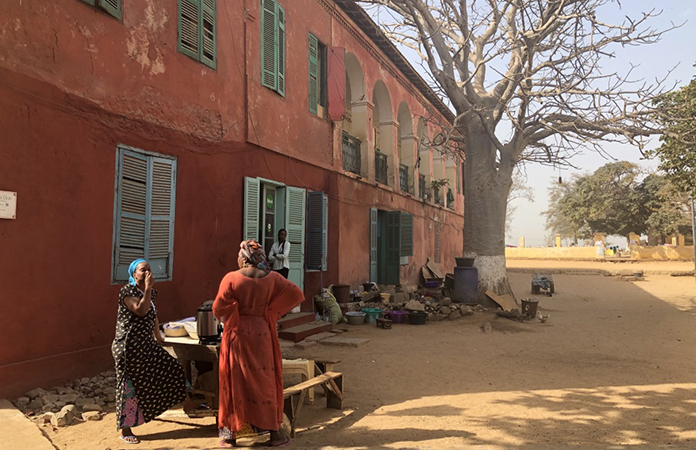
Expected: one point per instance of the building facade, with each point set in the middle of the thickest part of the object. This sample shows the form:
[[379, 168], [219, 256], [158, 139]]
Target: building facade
[[173, 129]]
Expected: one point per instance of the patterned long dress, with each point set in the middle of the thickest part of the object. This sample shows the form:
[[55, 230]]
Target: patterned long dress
[[148, 379], [251, 381]]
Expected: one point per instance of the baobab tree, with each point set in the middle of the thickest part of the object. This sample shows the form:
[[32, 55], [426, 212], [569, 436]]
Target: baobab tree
[[526, 81]]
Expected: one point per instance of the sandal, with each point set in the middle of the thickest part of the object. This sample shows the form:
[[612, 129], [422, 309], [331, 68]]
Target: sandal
[[286, 441], [228, 443], [130, 439]]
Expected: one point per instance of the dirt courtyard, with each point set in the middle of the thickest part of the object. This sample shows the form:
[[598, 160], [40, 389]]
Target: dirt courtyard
[[615, 365]]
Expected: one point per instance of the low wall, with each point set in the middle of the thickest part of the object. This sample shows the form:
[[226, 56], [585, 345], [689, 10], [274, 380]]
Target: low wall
[[574, 253], [657, 253], [661, 252]]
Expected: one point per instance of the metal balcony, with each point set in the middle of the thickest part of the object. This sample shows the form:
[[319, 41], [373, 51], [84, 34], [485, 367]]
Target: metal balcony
[[380, 167], [351, 153]]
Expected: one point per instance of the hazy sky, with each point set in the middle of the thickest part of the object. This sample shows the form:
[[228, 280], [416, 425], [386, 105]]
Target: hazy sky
[[675, 49]]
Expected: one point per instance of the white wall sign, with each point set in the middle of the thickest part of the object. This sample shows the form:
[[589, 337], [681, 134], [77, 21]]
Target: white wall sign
[[8, 205]]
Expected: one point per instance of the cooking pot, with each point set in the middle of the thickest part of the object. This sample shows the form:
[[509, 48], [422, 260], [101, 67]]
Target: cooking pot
[[207, 324]]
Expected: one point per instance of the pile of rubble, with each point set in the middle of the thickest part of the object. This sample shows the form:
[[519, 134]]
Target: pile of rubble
[[411, 298], [84, 399]]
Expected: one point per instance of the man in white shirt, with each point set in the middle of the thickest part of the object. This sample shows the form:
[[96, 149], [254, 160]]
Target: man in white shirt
[[279, 254]]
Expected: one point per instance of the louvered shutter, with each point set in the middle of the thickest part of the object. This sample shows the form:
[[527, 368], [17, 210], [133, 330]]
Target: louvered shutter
[[90, 2], [112, 7], [325, 231], [160, 239], [252, 188], [458, 170], [189, 25], [313, 73], [268, 44], [373, 244], [208, 33], [295, 216], [131, 211], [280, 35], [315, 235], [406, 234]]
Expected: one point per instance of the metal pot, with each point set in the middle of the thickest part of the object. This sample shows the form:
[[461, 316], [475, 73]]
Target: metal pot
[[207, 324]]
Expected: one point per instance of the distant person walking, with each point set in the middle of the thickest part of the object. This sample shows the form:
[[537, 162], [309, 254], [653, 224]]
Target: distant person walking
[[280, 251]]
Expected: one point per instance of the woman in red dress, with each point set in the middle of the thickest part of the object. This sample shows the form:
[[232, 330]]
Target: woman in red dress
[[249, 302]]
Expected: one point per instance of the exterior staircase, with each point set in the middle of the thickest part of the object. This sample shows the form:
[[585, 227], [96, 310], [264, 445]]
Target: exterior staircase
[[295, 327]]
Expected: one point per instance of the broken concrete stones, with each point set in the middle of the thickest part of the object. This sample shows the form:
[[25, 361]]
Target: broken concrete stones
[[92, 415], [454, 315], [92, 407], [65, 417], [35, 393], [400, 298], [414, 305], [446, 301]]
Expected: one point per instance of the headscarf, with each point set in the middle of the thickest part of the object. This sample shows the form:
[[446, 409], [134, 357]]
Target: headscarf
[[131, 270], [252, 255]]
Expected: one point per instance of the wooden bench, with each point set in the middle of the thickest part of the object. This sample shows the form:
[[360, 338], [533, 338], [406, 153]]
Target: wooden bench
[[332, 382]]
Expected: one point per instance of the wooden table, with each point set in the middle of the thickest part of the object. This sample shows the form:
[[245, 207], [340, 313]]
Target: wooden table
[[188, 351]]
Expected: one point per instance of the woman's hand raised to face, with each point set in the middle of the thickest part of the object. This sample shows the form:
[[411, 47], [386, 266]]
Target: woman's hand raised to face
[[149, 280]]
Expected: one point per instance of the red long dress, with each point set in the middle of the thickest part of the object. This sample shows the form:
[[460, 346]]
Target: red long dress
[[251, 379]]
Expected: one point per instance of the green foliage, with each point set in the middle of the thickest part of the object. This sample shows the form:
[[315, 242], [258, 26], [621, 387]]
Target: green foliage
[[676, 114], [613, 200]]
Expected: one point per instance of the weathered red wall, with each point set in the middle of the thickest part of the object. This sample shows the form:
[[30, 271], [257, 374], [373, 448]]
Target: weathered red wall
[[74, 84]]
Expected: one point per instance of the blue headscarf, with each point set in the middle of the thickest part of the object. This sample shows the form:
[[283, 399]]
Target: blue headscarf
[[131, 270]]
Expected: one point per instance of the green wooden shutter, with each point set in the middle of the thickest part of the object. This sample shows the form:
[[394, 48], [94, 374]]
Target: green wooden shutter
[[406, 234], [313, 73], [112, 7], [90, 2], [207, 33], [295, 216], [458, 170], [315, 242], [189, 26], [160, 239], [373, 244], [325, 231], [280, 49], [252, 192], [392, 247], [130, 211], [268, 44]]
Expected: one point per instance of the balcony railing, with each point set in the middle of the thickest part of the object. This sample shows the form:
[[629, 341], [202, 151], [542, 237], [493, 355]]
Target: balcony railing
[[380, 167], [403, 178], [421, 187], [351, 153], [437, 196]]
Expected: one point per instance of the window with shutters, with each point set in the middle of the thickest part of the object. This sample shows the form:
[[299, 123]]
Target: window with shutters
[[111, 7], [317, 76], [143, 212], [273, 46], [317, 230], [197, 30]]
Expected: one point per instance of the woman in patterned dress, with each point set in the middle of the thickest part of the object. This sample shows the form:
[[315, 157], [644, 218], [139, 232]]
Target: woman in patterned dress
[[149, 380], [249, 302]]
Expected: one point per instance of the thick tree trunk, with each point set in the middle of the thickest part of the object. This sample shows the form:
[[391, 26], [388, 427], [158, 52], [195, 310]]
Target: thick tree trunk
[[485, 204]]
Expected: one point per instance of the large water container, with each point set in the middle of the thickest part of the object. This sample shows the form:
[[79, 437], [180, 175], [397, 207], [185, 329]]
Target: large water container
[[465, 284]]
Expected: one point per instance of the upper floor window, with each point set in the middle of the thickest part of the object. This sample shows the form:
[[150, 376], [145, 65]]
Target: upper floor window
[[317, 76], [143, 212], [197, 30], [111, 7], [273, 46]]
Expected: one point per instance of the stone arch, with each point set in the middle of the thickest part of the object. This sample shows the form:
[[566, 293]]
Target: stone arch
[[406, 149], [356, 118], [383, 128]]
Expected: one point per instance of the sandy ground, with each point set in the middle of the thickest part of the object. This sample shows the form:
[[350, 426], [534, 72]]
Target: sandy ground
[[614, 365]]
